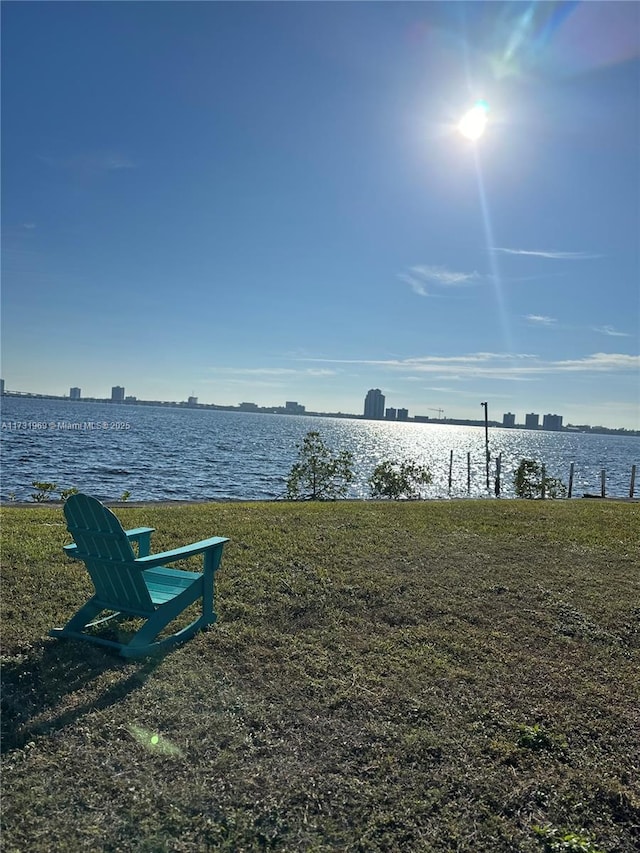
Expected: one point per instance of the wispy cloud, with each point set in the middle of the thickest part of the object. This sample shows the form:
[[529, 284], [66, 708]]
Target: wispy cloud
[[609, 330], [416, 285], [504, 366], [601, 361], [540, 320], [274, 371], [423, 278], [557, 256]]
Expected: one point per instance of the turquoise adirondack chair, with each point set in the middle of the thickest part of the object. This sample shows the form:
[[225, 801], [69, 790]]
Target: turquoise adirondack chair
[[133, 586]]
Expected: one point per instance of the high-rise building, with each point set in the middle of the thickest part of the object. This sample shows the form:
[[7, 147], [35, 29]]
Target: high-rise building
[[1, 386], [390, 414], [117, 394], [292, 407], [374, 404], [74, 393], [508, 419], [532, 421], [192, 401], [403, 414], [552, 422]]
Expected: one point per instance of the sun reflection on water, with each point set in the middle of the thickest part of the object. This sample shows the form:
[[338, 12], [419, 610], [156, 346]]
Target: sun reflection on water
[[213, 455]]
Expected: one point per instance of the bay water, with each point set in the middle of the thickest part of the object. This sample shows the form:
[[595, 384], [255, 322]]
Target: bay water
[[169, 453]]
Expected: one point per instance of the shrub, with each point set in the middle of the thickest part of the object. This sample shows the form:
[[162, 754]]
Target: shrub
[[398, 480], [531, 482], [318, 475], [66, 493], [45, 491]]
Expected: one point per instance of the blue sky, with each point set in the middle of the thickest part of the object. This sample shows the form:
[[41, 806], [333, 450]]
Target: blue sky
[[272, 201]]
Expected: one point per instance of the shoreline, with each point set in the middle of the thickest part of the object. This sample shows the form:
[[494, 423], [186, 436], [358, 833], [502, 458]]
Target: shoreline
[[180, 503]]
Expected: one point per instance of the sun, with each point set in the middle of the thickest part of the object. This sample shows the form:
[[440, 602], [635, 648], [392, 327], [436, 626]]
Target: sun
[[473, 123]]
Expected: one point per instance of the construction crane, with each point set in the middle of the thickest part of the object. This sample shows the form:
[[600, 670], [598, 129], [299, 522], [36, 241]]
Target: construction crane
[[440, 413]]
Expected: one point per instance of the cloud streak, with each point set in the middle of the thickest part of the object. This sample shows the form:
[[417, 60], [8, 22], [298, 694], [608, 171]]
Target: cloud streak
[[274, 371], [540, 320], [556, 256], [502, 366], [423, 278], [609, 330]]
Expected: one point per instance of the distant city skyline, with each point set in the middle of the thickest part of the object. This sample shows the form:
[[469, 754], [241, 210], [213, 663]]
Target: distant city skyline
[[258, 201], [374, 409], [374, 405]]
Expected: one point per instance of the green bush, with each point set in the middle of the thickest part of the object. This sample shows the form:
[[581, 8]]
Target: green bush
[[66, 493], [45, 491], [531, 481], [318, 475], [398, 480]]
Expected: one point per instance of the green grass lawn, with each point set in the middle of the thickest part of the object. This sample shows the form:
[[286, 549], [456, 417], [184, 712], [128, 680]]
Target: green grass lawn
[[424, 676]]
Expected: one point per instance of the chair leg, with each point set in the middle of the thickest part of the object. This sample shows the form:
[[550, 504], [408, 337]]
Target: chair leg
[[81, 619], [74, 629], [144, 642], [211, 563]]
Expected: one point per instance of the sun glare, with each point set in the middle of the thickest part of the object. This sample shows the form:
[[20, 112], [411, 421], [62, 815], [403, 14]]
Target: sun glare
[[473, 123]]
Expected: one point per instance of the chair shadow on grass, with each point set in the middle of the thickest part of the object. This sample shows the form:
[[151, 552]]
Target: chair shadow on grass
[[56, 683]]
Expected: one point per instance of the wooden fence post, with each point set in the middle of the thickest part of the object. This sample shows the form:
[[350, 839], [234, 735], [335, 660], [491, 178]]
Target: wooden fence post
[[544, 482], [498, 467], [450, 469], [603, 483], [570, 490], [468, 473], [633, 481]]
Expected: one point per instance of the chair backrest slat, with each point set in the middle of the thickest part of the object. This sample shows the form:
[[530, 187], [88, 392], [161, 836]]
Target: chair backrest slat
[[107, 554]]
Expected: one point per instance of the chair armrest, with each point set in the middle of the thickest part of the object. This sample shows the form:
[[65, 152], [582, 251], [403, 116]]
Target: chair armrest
[[181, 553], [141, 535], [135, 532]]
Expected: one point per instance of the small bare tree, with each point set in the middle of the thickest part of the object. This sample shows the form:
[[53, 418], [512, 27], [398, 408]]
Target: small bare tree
[[319, 475]]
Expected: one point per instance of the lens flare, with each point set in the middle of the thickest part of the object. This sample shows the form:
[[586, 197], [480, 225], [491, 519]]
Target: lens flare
[[473, 123]]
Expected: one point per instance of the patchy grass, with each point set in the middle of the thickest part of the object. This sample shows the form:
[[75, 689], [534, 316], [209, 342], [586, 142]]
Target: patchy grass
[[440, 676]]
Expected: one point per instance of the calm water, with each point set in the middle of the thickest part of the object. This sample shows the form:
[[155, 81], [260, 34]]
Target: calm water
[[192, 454]]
